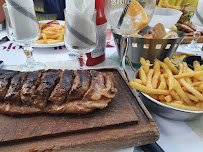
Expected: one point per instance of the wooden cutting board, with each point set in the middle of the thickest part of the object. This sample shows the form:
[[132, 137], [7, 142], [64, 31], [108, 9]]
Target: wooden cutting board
[[188, 39], [124, 123]]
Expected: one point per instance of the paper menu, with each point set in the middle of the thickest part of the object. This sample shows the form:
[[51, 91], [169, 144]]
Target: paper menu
[[23, 19]]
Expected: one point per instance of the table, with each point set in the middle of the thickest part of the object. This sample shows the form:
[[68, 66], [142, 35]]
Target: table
[[175, 136]]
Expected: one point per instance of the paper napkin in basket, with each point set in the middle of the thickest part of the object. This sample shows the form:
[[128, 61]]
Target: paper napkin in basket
[[79, 28], [23, 19]]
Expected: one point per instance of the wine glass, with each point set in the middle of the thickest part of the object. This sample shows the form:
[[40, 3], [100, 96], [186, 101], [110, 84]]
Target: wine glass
[[197, 21], [80, 34], [128, 17], [22, 27]]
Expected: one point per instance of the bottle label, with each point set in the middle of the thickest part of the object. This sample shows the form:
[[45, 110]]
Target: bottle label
[[100, 49]]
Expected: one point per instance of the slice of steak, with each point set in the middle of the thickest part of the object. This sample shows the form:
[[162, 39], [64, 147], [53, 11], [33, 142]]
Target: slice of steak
[[48, 81], [109, 90], [60, 92], [96, 87], [31, 83], [13, 94], [5, 80], [80, 85]]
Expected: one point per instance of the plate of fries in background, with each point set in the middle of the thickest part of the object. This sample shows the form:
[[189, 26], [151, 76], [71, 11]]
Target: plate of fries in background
[[52, 34], [170, 91]]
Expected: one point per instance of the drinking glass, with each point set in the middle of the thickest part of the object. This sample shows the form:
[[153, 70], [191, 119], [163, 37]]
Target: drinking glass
[[80, 34], [197, 21], [128, 17], [22, 27]]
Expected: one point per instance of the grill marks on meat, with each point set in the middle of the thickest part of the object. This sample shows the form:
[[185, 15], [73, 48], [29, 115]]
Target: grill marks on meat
[[48, 81], [59, 94], [5, 80], [13, 94], [29, 87], [80, 85], [96, 87], [56, 91], [109, 90]]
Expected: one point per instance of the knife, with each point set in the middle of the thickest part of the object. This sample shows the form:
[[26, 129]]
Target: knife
[[4, 39]]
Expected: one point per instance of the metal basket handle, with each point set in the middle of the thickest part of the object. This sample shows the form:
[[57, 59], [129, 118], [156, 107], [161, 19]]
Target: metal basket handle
[[124, 56]]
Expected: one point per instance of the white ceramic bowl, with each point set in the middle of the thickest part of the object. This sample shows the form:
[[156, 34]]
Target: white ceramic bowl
[[168, 17]]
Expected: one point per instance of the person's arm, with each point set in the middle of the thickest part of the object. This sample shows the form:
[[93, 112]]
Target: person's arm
[[2, 15]]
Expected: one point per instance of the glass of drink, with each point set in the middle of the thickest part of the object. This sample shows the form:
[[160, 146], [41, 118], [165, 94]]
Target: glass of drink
[[80, 34], [22, 27], [197, 21], [128, 17]]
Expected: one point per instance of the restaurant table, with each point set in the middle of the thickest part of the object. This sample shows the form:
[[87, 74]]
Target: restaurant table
[[175, 136]]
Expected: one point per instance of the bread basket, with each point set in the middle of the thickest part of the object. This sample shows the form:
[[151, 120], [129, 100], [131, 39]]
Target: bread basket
[[149, 48]]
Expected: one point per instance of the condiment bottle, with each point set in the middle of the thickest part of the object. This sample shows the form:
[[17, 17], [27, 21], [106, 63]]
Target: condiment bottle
[[98, 55]]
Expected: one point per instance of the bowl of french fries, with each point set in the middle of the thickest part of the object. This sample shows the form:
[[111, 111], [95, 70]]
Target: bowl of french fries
[[174, 92], [150, 43]]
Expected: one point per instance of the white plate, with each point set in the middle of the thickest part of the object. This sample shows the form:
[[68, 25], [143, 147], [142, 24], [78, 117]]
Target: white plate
[[49, 45]]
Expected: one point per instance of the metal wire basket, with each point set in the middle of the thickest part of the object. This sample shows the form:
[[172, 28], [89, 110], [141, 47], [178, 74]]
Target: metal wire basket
[[149, 48]]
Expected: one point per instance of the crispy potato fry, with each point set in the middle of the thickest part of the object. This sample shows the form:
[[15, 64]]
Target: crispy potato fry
[[181, 93], [161, 97], [138, 81], [197, 84], [154, 96], [162, 85], [40, 42], [191, 74], [146, 67], [168, 71], [168, 98], [180, 66], [178, 102], [149, 78], [181, 106], [196, 66], [192, 97], [156, 76], [171, 66], [52, 41], [146, 90], [200, 88], [142, 75], [175, 95], [142, 61], [191, 89]]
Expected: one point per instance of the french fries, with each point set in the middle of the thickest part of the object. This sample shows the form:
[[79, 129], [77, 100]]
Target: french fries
[[179, 87], [51, 34]]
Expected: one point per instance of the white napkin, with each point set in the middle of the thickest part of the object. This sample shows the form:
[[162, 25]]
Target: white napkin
[[80, 30], [24, 27], [80, 6]]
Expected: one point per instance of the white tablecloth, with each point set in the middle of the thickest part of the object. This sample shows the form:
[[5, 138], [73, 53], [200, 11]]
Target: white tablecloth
[[175, 136]]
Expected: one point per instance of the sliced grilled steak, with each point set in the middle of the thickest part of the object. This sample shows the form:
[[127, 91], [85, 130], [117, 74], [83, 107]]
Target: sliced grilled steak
[[109, 90], [96, 86], [59, 95], [48, 81], [29, 86], [13, 94], [80, 85], [5, 80], [83, 97]]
